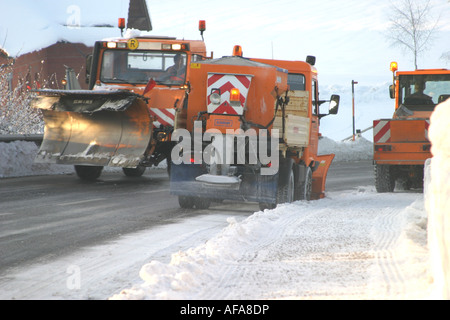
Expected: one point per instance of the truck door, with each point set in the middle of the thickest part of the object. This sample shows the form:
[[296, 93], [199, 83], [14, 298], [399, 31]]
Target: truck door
[[314, 132]]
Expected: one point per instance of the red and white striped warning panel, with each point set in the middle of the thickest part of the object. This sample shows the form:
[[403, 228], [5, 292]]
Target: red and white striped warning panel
[[165, 117], [223, 83], [381, 131]]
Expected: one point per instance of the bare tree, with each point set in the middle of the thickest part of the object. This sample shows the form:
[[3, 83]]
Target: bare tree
[[412, 26]]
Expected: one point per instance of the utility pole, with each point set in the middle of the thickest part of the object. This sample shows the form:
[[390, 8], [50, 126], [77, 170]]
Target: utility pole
[[353, 106]]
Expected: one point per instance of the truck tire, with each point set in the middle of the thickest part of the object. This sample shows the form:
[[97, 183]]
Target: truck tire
[[304, 188], [88, 173], [134, 172], [202, 203], [285, 193], [186, 202], [286, 185], [384, 179], [169, 166]]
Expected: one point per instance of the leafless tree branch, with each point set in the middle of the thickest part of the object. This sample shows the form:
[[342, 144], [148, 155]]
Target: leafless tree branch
[[412, 26]]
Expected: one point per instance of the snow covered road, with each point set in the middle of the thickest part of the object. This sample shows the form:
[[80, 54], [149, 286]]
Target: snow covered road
[[352, 245]]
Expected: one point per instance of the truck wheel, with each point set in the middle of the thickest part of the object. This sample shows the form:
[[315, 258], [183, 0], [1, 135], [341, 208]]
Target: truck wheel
[[186, 202], [304, 189], [384, 179], [285, 192], [134, 172], [88, 173], [286, 185], [202, 203], [169, 166], [191, 202], [263, 206]]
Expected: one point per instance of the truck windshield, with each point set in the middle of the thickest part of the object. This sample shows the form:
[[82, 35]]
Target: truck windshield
[[423, 92], [138, 67]]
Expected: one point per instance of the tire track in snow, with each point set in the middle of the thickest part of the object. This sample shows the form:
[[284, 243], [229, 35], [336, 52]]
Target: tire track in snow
[[345, 246], [240, 273], [386, 236]]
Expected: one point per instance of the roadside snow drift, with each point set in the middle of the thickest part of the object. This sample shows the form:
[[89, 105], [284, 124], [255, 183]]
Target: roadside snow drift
[[17, 160], [437, 196]]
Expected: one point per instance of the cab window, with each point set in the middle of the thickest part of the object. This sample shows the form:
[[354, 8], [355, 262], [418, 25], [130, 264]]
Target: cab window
[[296, 81], [138, 67]]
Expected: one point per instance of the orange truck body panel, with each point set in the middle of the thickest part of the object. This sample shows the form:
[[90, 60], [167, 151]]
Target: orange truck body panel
[[310, 152]]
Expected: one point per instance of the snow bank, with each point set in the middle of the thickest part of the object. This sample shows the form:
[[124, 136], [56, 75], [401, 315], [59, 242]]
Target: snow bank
[[360, 149], [17, 159], [437, 195]]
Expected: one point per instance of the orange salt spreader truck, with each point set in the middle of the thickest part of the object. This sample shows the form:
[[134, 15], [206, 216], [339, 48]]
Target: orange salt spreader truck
[[252, 133], [137, 95], [401, 144]]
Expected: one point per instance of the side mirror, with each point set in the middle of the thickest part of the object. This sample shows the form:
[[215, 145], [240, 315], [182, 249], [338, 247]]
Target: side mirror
[[88, 67], [311, 60], [334, 104], [392, 91]]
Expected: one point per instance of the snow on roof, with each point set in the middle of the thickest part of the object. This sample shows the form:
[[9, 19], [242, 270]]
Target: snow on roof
[[30, 25]]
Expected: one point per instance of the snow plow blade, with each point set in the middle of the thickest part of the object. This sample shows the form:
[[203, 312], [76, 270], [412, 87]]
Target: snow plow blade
[[320, 176], [100, 128]]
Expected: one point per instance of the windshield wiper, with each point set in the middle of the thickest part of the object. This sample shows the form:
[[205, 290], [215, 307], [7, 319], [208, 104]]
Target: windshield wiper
[[119, 80]]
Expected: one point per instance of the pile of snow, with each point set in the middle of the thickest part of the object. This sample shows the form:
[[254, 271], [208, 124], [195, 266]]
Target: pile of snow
[[17, 159], [437, 195], [349, 150]]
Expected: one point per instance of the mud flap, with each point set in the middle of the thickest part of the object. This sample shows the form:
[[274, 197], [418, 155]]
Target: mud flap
[[320, 176], [101, 128]]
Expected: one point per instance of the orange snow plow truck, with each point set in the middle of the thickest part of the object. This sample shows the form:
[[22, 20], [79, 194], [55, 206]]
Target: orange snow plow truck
[[401, 144], [138, 92], [252, 133]]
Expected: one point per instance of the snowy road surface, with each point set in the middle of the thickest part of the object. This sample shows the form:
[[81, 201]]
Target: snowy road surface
[[353, 244]]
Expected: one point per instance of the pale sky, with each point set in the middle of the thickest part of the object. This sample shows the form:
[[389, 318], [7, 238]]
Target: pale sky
[[347, 37]]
